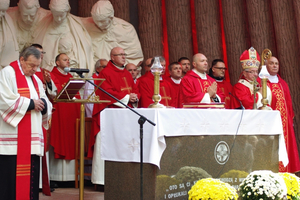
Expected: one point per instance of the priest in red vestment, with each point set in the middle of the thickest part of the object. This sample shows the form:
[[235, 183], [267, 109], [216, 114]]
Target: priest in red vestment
[[281, 100], [196, 86], [62, 136], [24, 109], [217, 72], [243, 90], [146, 88], [119, 83], [175, 71]]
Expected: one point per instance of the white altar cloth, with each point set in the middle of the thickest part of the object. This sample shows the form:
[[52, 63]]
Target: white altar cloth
[[120, 138]]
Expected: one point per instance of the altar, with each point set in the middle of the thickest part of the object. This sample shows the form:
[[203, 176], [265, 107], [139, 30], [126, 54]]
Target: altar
[[185, 146]]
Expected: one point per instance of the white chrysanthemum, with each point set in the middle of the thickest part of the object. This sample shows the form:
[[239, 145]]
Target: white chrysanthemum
[[259, 183]]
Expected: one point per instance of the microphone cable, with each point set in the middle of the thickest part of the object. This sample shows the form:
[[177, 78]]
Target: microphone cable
[[237, 130]]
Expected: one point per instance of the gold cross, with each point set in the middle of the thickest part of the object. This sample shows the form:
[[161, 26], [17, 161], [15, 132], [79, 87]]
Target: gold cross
[[126, 86], [164, 96]]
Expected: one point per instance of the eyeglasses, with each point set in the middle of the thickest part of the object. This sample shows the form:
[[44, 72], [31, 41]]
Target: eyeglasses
[[221, 68], [120, 54], [252, 72]]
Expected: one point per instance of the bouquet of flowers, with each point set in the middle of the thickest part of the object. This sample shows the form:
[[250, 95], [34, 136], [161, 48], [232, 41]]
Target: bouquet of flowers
[[262, 185], [210, 189], [292, 183]]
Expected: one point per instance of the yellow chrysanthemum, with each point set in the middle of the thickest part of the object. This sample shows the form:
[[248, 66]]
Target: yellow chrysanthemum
[[292, 183], [210, 189]]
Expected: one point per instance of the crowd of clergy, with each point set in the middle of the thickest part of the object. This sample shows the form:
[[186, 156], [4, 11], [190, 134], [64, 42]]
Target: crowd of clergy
[[193, 82]]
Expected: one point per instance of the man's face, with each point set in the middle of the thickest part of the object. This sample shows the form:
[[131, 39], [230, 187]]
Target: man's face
[[59, 16], [176, 71], [163, 64], [102, 23], [30, 65], [63, 61], [147, 66], [251, 73], [200, 64], [186, 66], [133, 70], [27, 15], [103, 64], [219, 70], [273, 66], [118, 56]]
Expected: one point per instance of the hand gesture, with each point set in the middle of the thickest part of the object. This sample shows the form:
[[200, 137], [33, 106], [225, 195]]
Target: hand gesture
[[212, 90], [133, 97], [38, 105]]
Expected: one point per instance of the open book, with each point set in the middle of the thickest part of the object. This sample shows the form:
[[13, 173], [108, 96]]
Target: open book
[[71, 89]]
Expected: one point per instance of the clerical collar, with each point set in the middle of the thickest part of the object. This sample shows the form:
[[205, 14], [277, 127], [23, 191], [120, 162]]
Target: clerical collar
[[202, 75], [273, 79], [218, 79], [39, 69], [61, 71], [176, 81], [120, 68], [20, 67]]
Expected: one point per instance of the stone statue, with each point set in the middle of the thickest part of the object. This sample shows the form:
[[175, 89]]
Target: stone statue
[[26, 17], [63, 31], [108, 32], [8, 40], [66, 46]]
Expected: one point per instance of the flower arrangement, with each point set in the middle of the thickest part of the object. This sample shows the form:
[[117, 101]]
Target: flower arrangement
[[190, 174], [292, 183], [235, 174], [262, 185], [210, 189]]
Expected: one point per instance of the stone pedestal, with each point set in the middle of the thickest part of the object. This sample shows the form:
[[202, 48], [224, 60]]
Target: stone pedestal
[[188, 159]]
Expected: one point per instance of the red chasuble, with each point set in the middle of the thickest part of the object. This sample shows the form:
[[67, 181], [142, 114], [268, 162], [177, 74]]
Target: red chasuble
[[118, 83], [244, 94], [24, 138], [193, 88], [282, 101], [174, 90], [146, 88], [62, 136], [45, 178], [225, 87]]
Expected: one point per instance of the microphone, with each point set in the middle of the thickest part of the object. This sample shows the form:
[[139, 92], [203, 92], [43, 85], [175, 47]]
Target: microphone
[[78, 71], [241, 107]]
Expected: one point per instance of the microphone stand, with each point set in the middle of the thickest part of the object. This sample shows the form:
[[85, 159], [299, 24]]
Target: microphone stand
[[241, 107], [141, 122]]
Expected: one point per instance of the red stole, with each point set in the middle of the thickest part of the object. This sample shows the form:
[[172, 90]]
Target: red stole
[[24, 139]]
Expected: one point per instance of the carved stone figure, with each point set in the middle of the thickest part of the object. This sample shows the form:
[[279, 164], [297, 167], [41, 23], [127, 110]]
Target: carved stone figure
[[8, 41], [108, 32], [62, 25], [66, 46], [26, 17]]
